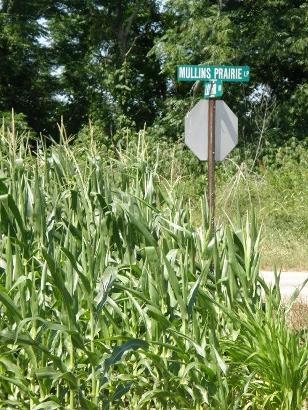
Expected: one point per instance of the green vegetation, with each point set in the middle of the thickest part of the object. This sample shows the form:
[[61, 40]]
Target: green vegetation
[[279, 195], [275, 189], [114, 61], [115, 293], [112, 298]]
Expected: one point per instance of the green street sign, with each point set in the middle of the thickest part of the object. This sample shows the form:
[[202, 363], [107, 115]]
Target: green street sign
[[213, 89], [231, 74]]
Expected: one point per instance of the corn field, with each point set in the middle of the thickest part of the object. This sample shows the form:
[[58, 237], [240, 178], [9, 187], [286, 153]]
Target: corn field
[[111, 298]]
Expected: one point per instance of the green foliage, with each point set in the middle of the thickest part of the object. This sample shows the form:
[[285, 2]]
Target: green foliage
[[26, 84], [269, 36], [17, 123], [111, 298], [272, 182], [196, 32], [102, 48], [114, 63], [276, 187]]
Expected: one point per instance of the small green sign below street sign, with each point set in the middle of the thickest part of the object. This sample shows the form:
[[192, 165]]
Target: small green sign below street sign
[[231, 74], [213, 89]]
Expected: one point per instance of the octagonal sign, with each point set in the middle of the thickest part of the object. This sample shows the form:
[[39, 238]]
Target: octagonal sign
[[196, 130]]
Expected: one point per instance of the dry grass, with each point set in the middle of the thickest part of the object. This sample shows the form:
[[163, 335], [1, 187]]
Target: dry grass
[[283, 251], [298, 315]]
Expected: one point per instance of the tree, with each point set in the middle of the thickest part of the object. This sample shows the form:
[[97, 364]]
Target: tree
[[26, 83], [102, 47], [275, 36], [269, 35]]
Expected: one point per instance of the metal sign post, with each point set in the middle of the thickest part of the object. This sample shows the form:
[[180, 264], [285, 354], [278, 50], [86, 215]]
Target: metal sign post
[[211, 161]]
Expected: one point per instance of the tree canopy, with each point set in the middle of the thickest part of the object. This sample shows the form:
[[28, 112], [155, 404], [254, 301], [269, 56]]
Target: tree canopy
[[113, 61]]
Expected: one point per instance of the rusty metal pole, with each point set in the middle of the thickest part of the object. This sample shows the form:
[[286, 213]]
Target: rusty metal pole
[[211, 162]]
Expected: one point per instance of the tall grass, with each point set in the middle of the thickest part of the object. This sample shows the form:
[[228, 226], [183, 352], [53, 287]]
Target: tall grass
[[111, 298]]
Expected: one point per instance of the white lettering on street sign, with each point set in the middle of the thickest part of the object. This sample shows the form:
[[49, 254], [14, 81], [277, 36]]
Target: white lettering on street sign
[[212, 72], [196, 130]]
